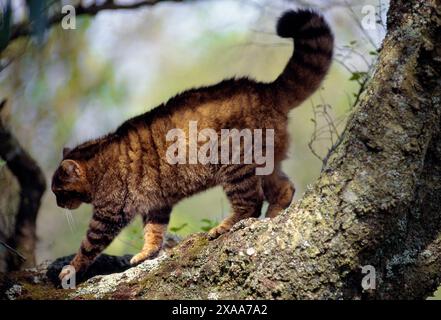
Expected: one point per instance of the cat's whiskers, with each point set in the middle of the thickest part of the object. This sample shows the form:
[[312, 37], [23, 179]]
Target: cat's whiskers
[[70, 220]]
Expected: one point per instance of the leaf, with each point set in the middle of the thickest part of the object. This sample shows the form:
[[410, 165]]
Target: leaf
[[357, 75], [5, 24], [209, 224], [179, 228], [2, 163]]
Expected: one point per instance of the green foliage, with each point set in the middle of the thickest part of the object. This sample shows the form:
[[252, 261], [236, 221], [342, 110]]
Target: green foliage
[[351, 45], [2, 162], [178, 228], [357, 75], [208, 224]]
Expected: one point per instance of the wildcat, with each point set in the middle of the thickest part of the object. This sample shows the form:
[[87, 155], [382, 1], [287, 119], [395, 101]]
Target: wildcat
[[126, 172]]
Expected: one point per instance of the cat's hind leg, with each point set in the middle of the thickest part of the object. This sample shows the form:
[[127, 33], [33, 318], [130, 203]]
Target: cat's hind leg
[[155, 226], [278, 191], [244, 191]]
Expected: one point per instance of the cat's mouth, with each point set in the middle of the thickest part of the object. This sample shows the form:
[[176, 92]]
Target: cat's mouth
[[71, 205]]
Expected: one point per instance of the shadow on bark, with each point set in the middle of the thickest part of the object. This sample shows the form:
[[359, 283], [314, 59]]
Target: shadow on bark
[[103, 265]]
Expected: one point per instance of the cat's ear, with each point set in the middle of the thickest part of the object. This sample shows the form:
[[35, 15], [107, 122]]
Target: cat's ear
[[73, 170], [66, 151]]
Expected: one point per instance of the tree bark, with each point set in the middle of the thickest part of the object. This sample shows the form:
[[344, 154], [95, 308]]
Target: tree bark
[[377, 201], [32, 186]]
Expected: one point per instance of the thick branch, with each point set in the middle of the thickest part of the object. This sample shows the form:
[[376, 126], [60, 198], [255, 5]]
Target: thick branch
[[24, 28], [32, 186]]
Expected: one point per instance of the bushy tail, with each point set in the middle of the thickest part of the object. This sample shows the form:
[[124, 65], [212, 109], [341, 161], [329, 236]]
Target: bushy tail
[[312, 57]]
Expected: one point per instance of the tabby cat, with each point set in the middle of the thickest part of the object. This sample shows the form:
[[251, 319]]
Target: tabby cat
[[126, 172]]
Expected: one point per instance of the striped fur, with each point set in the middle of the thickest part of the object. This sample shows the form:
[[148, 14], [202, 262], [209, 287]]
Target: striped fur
[[314, 44], [126, 172]]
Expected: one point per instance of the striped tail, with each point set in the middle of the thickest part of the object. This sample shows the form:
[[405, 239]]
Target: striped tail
[[312, 57]]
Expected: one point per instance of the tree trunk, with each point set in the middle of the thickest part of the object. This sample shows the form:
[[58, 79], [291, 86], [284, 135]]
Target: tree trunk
[[377, 201], [21, 243]]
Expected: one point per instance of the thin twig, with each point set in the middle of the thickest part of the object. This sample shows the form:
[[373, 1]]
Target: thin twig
[[23, 29], [13, 250]]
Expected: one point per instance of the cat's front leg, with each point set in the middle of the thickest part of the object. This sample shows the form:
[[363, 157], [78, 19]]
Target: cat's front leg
[[103, 228], [155, 226]]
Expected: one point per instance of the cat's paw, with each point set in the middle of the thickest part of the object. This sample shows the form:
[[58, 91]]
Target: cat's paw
[[64, 273], [217, 231], [144, 255]]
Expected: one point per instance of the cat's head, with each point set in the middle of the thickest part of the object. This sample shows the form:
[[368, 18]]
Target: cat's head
[[70, 184]]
